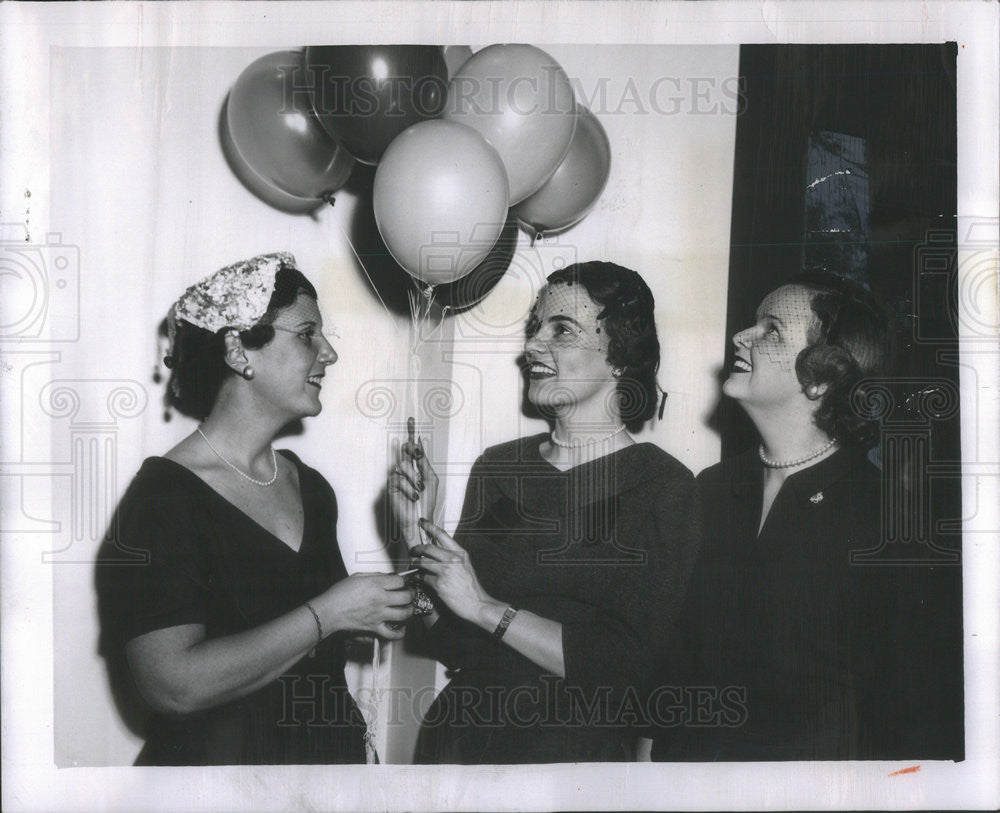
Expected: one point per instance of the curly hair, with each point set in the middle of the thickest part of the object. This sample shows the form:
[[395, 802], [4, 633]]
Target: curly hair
[[627, 310], [198, 365], [851, 338]]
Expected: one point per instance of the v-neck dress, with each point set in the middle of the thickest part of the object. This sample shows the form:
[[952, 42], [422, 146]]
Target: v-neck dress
[[207, 562], [605, 549], [801, 651]]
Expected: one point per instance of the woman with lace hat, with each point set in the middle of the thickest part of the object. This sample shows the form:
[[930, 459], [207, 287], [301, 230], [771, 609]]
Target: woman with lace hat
[[572, 553], [233, 620], [805, 645]]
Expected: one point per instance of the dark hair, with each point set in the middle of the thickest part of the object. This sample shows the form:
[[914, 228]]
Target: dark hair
[[627, 310], [851, 339], [198, 366]]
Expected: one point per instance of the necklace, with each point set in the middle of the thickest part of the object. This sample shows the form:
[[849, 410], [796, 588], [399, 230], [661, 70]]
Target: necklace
[[243, 474], [787, 464], [576, 444]]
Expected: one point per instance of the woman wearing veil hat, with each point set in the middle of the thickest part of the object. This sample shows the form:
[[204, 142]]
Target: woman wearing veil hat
[[572, 554], [233, 621]]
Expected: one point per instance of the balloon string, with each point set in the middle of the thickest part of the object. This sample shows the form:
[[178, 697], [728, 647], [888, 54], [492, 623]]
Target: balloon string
[[365, 270], [421, 307], [421, 310], [411, 296], [371, 723]]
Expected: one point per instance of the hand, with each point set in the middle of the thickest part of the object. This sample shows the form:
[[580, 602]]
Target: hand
[[412, 488], [378, 603], [449, 572]]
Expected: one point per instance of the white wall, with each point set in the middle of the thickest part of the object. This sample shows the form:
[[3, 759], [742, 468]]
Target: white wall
[[140, 185]]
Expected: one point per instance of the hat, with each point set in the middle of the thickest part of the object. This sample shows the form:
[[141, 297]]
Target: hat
[[236, 296]]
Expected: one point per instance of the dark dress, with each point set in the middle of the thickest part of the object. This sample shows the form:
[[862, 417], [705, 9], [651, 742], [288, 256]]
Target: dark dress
[[788, 650], [605, 549], [209, 563]]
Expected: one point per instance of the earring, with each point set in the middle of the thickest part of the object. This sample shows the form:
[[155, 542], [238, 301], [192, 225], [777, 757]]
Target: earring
[[247, 372], [617, 372]]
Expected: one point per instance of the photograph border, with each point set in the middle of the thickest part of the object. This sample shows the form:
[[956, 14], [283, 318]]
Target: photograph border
[[28, 33]]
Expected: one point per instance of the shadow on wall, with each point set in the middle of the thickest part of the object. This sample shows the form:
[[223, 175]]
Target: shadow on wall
[[390, 283], [132, 709], [272, 196]]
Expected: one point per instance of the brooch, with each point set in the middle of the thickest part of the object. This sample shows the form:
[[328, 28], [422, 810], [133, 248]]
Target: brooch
[[816, 498]]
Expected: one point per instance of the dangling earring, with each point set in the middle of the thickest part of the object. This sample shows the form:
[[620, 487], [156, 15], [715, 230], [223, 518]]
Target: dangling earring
[[617, 372], [247, 372]]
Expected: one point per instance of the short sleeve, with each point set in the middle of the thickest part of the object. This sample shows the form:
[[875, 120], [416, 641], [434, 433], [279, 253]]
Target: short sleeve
[[162, 581]]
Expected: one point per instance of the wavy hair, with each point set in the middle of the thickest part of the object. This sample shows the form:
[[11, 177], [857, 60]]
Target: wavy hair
[[851, 338], [633, 347], [198, 366]]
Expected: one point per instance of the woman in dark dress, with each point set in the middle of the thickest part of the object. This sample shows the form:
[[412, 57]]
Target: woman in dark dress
[[804, 645], [233, 608], [573, 549]]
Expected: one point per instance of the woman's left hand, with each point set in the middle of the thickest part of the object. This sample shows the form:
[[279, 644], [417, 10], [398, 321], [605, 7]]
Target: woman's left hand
[[412, 489], [447, 569]]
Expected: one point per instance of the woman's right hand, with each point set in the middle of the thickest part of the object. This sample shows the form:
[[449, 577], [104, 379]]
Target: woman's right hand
[[378, 603]]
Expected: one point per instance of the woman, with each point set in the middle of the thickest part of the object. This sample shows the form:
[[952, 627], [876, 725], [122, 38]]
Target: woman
[[573, 548], [809, 647], [233, 627]]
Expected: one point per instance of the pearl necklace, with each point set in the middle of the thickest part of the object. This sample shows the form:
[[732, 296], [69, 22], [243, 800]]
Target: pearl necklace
[[782, 464], [576, 444], [243, 474]]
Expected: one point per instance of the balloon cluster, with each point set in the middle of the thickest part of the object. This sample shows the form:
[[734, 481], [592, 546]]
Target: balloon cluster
[[459, 140]]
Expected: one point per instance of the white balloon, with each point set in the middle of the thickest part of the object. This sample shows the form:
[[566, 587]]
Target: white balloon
[[440, 200], [521, 101]]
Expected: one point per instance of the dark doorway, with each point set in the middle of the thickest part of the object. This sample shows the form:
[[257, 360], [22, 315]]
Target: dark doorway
[[846, 161]]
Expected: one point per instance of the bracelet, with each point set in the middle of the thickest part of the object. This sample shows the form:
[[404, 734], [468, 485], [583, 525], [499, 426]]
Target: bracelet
[[319, 626], [508, 616]]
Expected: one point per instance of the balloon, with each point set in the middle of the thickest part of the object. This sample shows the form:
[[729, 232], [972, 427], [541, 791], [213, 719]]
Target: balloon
[[276, 135], [366, 95], [575, 186], [440, 200], [455, 56], [267, 192], [521, 101], [475, 286]]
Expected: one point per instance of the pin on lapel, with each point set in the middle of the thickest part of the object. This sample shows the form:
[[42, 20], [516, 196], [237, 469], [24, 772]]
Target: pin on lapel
[[816, 498]]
